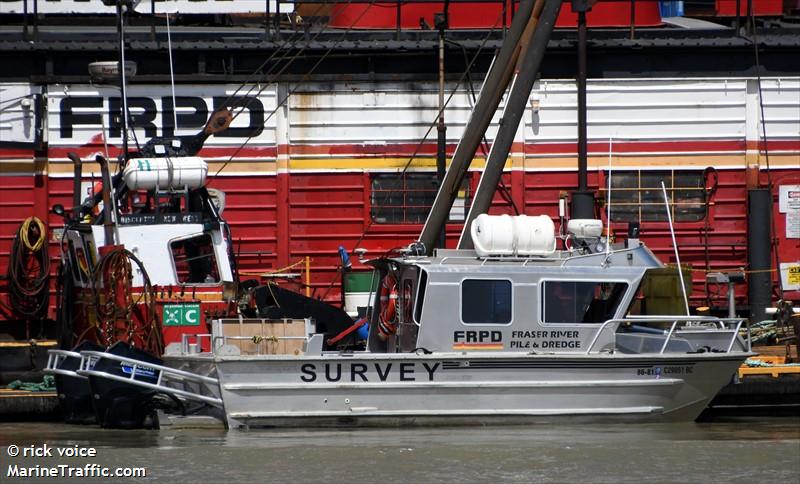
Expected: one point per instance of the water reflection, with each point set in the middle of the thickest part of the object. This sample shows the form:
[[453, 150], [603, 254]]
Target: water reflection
[[735, 451]]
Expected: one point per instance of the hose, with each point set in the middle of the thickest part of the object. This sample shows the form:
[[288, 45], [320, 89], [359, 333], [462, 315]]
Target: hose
[[28, 270]]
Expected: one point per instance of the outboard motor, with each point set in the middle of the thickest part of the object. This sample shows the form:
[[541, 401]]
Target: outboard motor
[[74, 393], [118, 404]]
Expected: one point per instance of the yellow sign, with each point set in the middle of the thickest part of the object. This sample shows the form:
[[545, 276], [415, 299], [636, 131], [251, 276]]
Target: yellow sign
[[794, 275]]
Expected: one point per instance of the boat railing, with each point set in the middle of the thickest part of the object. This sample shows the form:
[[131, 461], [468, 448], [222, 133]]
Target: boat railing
[[561, 258], [56, 357], [192, 344], [260, 342], [165, 375], [524, 260], [678, 324]]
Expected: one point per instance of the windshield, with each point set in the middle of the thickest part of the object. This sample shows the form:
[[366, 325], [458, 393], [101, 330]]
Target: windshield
[[581, 301]]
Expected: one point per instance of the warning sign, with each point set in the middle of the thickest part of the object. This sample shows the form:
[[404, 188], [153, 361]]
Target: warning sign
[[181, 314], [794, 275], [789, 203], [790, 276]]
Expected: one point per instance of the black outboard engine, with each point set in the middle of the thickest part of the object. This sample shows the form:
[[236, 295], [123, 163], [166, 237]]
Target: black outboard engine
[[74, 394], [121, 405]]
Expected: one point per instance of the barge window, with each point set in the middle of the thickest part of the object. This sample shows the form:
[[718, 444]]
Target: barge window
[[581, 301], [636, 195], [406, 198], [195, 261], [485, 301]]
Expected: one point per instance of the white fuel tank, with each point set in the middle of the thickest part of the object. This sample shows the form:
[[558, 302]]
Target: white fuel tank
[[494, 235], [165, 173]]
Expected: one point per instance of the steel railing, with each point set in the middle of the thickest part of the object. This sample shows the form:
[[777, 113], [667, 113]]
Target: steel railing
[[216, 342], [164, 376], [693, 323]]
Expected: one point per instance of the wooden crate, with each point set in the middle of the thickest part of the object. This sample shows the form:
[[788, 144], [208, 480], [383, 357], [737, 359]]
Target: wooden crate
[[266, 336]]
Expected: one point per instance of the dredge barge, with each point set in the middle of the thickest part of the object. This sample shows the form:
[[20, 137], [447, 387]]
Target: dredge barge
[[295, 192]]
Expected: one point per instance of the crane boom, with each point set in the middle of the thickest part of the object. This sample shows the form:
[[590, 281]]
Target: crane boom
[[494, 85], [514, 108], [518, 60]]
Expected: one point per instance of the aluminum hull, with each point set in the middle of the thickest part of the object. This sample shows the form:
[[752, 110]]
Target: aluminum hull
[[464, 389]]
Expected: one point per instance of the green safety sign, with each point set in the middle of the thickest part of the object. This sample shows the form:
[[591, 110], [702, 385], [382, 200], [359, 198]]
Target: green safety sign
[[181, 315]]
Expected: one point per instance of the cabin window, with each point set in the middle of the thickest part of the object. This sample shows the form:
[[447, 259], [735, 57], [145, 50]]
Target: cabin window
[[636, 195], [486, 301], [195, 261], [573, 302], [406, 198]]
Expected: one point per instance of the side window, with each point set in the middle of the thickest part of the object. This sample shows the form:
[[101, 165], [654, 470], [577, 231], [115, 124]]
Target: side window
[[486, 301], [407, 299], [581, 302], [195, 262]]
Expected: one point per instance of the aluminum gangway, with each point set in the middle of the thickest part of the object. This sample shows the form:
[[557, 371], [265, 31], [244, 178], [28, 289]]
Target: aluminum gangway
[[167, 380]]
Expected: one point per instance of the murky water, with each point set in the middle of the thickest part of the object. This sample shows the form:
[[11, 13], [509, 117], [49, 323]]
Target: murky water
[[745, 450]]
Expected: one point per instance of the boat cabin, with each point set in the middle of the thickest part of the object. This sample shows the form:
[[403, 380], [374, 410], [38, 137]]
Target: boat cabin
[[172, 225], [460, 301]]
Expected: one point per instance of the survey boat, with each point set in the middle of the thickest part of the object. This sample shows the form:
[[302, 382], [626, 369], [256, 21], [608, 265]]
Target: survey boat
[[466, 337]]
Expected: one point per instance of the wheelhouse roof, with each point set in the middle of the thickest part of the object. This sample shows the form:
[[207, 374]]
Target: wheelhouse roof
[[620, 259]]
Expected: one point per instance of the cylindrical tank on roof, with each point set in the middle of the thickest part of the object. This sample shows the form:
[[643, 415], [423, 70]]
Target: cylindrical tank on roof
[[504, 235], [535, 235], [165, 173]]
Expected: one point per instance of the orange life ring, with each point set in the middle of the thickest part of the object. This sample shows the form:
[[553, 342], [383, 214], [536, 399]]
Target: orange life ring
[[388, 298]]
